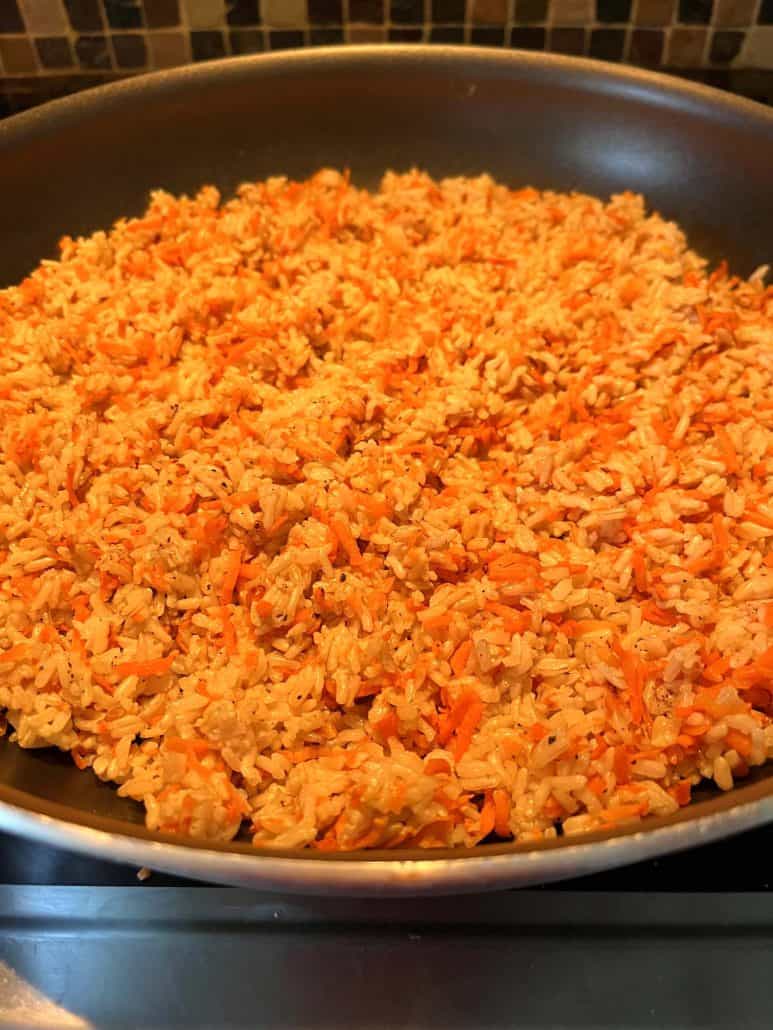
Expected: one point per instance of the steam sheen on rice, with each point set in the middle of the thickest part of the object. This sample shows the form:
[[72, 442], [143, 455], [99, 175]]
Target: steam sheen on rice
[[403, 518]]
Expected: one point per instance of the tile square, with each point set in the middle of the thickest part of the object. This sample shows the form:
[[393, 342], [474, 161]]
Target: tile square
[[207, 44], [757, 50], [54, 52], [654, 13], [613, 11], [10, 17], [371, 11], [686, 47], [446, 34], [44, 17], [447, 10], [285, 39], [365, 34], [646, 47], [528, 37], [572, 12], [204, 14], [325, 12], [607, 44], [246, 41], [84, 15], [285, 14], [490, 12], [123, 14], [243, 12], [734, 13], [695, 12], [162, 14], [725, 46], [487, 36], [406, 12], [93, 52], [565, 39], [326, 37], [169, 49], [531, 11], [403, 35], [130, 50], [17, 55]]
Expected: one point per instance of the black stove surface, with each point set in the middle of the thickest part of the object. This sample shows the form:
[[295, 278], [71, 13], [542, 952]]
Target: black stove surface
[[684, 941]]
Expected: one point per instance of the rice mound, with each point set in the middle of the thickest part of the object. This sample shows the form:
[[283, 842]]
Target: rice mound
[[359, 519]]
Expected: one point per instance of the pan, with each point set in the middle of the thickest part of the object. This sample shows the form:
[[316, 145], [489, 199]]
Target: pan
[[77, 164]]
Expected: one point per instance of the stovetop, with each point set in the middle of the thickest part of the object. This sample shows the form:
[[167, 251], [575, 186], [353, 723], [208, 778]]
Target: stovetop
[[683, 941]]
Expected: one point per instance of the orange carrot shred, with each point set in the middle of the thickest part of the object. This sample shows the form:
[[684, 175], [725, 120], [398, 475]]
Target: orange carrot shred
[[15, 653], [231, 575], [501, 813], [346, 538], [460, 657], [152, 667]]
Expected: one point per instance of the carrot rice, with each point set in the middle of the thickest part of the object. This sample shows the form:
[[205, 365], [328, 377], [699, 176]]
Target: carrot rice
[[405, 518]]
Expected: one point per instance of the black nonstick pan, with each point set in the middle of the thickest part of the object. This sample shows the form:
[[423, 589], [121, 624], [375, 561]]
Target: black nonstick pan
[[77, 164]]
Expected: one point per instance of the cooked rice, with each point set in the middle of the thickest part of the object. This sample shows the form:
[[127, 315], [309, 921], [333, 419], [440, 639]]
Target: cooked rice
[[401, 518]]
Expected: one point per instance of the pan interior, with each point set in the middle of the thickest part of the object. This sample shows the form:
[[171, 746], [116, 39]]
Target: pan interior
[[552, 123]]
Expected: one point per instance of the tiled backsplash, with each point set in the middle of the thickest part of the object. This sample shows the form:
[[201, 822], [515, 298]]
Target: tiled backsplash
[[48, 47]]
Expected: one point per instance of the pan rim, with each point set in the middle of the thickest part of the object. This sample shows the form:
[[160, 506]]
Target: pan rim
[[659, 86], [413, 871], [372, 874]]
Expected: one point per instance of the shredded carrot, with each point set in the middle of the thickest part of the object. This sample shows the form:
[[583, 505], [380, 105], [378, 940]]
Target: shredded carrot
[[514, 621], [619, 813], [388, 726], [488, 816], [15, 653], [78, 645], [81, 760], [70, 483], [501, 813], [81, 607], [461, 657], [681, 792], [727, 450], [511, 567], [634, 672], [596, 785], [435, 622], [229, 633], [347, 541], [469, 724], [657, 616], [152, 667], [231, 575], [436, 766], [739, 742], [187, 746], [639, 570], [461, 722], [622, 765]]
